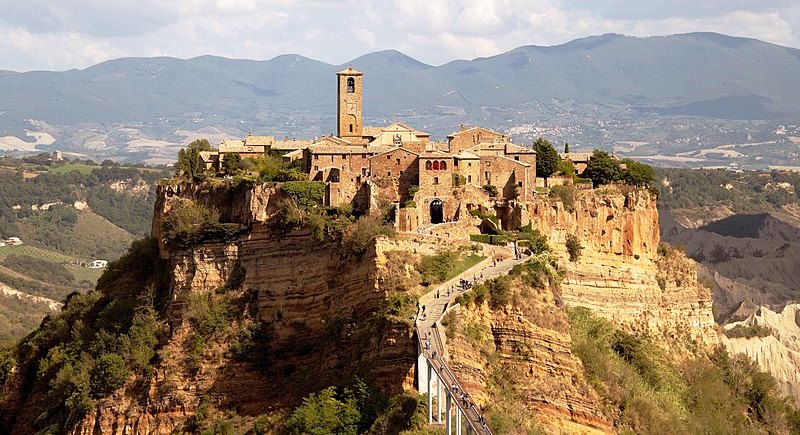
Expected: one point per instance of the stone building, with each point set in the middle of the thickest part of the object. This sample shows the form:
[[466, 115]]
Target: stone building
[[429, 182]]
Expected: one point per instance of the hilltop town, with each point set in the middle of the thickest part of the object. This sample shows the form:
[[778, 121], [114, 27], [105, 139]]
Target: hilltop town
[[429, 182]]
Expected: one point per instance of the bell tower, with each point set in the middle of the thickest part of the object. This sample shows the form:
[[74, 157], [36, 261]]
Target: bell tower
[[348, 101]]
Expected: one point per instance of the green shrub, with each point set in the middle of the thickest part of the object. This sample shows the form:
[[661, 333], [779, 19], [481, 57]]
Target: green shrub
[[459, 180], [499, 292], [363, 232], [436, 268], [574, 247], [750, 331], [109, 373], [533, 239], [306, 194], [480, 238], [565, 194], [491, 190]]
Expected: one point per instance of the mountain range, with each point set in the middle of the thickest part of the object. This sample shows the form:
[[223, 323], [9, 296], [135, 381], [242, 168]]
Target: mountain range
[[696, 74]]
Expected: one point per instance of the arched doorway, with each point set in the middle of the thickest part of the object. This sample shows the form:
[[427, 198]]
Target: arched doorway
[[437, 211]]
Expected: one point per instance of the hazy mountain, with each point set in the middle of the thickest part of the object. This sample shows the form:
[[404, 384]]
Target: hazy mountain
[[699, 73]]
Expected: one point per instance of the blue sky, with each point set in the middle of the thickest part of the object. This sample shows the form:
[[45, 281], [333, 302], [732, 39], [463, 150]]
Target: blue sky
[[64, 34]]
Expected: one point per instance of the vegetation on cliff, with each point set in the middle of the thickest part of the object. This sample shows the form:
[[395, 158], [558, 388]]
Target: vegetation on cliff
[[99, 342], [645, 391]]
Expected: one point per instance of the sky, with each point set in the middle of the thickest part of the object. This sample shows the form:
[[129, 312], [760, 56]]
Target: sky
[[66, 34]]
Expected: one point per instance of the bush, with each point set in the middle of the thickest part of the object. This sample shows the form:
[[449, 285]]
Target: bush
[[491, 190], [574, 247], [306, 194], [459, 180], [565, 194], [499, 292], [109, 373], [533, 239], [750, 331], [361, 234], [436, 268]]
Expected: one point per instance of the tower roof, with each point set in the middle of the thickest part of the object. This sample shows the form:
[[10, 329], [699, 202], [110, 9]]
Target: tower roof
[[350, 71]]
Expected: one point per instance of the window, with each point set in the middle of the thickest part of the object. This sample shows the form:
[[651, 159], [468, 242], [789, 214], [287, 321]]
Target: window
[[398, 161], [428, 165], [363, 156], [351, 86], [316, 168], [344, 156], [516, 158], [469, 164], [388, 157], [351, 128], [435, 165], [389, 174], [435, 180], [519, 183], [455, 163], [316, 156], [443, 165], [488, 163], [469, 178]]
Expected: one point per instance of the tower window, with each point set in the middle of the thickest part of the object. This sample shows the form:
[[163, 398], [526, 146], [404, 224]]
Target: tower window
[[435, 165], [428, 165], [469, 178], [351, 85], [351, 128], [435, 180], [516, 158], [443, 165]]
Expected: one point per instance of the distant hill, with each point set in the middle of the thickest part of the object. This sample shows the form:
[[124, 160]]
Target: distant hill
[[703, 74]]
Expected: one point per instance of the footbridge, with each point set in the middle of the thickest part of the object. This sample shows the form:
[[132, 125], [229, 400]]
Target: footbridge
[[434, 376]]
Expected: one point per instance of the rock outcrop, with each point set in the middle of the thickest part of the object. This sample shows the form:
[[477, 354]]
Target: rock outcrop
[[778, 353], [621, 274]]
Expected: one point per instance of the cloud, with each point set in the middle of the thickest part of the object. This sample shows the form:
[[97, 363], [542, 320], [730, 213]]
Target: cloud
[[77, 33]]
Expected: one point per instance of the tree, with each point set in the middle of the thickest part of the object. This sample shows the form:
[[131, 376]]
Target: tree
[[188, 159], [232, 162], [637, 173], [547, 158], [602, 168], [566, 148]]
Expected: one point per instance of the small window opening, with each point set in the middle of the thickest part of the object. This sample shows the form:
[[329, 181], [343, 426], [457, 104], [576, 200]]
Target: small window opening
[[428, 165], [351, 86], [351, 128], [435, 180]]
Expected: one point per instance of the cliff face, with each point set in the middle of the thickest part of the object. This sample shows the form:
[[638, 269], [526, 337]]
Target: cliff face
[[519, 361], [621, 274], [778, 353], [316, 307]]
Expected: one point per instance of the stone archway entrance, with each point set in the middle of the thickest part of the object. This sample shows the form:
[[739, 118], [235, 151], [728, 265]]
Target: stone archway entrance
[[437, 211]]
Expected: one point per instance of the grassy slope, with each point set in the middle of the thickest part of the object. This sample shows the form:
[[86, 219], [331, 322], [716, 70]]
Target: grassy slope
[[92, 237]]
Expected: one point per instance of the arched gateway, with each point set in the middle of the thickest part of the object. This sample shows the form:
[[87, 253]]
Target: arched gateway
[[437, 211]]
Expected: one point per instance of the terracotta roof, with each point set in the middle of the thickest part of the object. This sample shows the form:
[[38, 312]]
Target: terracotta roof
[[435, 154], [295, 153], [393, 150], [370, 131], [464, 155], [517, 149], [350, 71], [577, 157], [259, 140], [456, 133], [291, 145], [238, 146], [349, 149], [510, 160], [209, 156]]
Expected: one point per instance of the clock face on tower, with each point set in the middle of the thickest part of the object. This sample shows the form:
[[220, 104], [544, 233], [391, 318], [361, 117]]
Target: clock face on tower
[[351, 108]]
